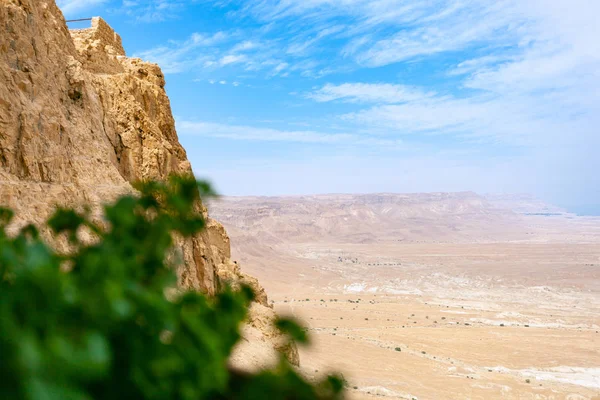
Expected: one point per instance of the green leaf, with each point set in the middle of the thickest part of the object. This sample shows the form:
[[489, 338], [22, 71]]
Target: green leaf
[[6, 216], [293, 329], [96, 323]]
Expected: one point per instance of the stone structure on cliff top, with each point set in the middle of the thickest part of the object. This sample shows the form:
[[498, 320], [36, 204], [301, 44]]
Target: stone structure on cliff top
[[80, 121]]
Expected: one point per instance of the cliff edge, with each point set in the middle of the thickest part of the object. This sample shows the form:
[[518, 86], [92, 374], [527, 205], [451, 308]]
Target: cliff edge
[[80, 121]]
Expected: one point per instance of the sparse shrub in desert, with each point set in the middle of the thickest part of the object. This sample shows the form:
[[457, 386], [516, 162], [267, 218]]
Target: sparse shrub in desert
[[104, 321], [398, 349]]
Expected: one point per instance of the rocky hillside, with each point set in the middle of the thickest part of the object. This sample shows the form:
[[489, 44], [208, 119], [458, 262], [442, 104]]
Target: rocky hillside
[[80, 121], [367, 218]]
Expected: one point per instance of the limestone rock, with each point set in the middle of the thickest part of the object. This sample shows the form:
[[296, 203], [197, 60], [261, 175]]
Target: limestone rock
[[80, 121]]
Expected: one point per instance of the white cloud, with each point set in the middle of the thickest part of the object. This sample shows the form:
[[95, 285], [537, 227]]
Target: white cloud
[[180, 56], [537, 77], [516, 77], [244, 46], [280, 67], [250, 133], [232, 59], [456, 26], [213, 51], [382, 32], [396, 29], [153, 10], [221, 82], [369, 92], [513, 121], [304, 44], [475, 64]]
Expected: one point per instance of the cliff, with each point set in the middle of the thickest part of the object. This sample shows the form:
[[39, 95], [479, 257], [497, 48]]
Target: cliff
[[80, 121]]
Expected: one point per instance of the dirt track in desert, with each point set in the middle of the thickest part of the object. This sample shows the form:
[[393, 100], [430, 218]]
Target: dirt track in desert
[[507, 307]]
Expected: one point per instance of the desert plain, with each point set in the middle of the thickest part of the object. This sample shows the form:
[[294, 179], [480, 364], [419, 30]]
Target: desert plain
[[431, 296]]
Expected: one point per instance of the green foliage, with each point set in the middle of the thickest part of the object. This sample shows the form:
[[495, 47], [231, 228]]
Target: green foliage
[[295, 331], [103, 320]]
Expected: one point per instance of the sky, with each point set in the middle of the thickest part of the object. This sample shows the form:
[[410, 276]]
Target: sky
[[275, 97]]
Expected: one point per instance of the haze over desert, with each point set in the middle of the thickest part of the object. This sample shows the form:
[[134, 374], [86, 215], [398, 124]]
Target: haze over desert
[[431, 296]]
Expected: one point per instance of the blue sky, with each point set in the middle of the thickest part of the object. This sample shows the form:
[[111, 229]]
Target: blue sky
[[321, 96]]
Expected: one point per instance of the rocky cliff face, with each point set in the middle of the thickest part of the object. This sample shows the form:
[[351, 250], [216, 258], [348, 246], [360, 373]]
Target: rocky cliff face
[[80, 121]]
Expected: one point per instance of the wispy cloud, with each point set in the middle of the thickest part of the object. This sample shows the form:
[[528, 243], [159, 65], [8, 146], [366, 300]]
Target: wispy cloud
[[232, 59], [202, 51], [380, 32], [537, 77], [511, 77], [524, 117], [369, 93], [154, 10], [181, 56], [514, 121], [531, 68], [252, 133]]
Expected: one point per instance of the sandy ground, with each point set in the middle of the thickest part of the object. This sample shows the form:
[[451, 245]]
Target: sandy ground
[[441, 321], [470, 321], [513, 318], [414, 347]]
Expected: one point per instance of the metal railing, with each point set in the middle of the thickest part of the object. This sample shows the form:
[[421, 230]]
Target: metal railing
[[79, 20]]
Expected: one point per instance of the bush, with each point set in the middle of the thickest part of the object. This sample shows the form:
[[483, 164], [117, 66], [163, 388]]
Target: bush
[[103, 321]]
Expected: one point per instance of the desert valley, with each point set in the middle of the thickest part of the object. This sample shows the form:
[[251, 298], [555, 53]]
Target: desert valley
[[410, 296], [431, 296]]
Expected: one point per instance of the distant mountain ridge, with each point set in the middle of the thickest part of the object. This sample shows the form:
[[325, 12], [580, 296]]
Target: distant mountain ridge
[[363, 218], [523, 203]]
